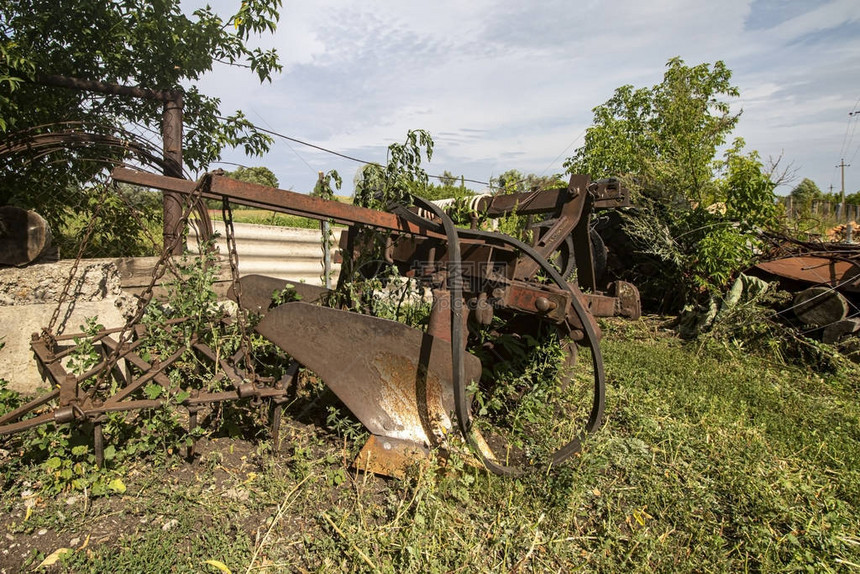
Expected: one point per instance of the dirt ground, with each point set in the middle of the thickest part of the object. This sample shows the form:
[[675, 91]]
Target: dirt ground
[[227, 476]]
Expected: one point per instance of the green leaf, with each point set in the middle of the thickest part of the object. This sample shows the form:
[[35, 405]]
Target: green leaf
[[53, 463], [117, 485], [110, 452], [153, 391]]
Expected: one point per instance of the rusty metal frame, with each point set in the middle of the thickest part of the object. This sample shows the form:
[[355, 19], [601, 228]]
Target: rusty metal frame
[[78, 403]]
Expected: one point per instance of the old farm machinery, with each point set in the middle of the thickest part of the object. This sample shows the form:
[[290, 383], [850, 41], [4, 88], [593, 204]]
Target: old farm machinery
[[409, 387]]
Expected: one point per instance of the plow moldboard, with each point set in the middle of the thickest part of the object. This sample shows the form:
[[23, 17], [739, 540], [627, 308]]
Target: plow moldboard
[[395, 379]]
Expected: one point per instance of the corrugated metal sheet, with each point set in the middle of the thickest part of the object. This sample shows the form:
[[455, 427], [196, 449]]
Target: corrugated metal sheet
[[283, 252]]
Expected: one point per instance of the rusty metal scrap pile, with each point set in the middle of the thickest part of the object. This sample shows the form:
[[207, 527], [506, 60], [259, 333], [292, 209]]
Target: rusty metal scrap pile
[[825, 281]]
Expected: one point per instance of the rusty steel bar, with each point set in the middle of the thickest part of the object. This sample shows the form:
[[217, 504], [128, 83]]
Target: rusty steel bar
[[24, 409], [273, 199], [137, 361], [26, 424], [282, 201], [148, 376]]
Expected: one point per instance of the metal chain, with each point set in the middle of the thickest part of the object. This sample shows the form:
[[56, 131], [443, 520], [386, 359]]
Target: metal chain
[[157, 273], [142, 226], [48, 332], [233, 257]]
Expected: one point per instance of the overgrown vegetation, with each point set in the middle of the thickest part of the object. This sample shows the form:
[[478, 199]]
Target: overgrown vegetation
[[65, 455], [715, 457], [712, 459], [696, 214], [718, 455], [378, 186]]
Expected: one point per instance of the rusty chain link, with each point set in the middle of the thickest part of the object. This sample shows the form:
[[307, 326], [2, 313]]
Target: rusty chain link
[[48, 332], [233, 257], [157, 273]]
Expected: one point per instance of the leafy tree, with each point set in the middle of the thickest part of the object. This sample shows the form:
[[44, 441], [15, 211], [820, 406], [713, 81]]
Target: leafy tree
[[448, 179], [449, 186], [514, 181], [747, 189], [434, 192], [693, 229], [806, 191], [147, 44], [722, 242], [260, 175], [804, 194], [323, 187], [665, 136], [377, 186], [853, 198], [690, 253]]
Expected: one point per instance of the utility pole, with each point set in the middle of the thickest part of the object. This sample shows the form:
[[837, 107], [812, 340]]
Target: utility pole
[[843, 165]]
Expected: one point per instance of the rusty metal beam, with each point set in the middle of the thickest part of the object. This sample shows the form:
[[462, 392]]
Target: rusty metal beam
[[531, 203], [279, 200], [572, 218]]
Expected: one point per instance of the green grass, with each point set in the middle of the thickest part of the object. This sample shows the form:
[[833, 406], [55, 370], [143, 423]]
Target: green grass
[[711, 460], [266, 217]]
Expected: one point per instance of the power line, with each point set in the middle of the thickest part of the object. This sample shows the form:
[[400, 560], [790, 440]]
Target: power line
[[231, 163], [308, 144], [288, 145], [854, 155], [846, 140], [336, 153], [854, 113], [564, 151]]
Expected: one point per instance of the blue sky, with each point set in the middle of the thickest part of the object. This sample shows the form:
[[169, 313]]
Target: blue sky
[[510, 84]]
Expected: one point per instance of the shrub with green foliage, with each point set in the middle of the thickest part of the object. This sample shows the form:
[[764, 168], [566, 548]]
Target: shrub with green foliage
[[378, 186], [697, 216]]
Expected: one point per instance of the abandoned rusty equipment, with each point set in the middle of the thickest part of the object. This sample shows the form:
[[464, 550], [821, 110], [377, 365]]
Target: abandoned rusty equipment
[[403, 384]]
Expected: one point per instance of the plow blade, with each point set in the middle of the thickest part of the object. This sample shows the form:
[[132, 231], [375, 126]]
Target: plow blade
[[257, 290], [395, 379]]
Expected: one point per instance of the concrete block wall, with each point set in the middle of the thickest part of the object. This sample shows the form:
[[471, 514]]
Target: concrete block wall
[[106, 288], [29, 297]]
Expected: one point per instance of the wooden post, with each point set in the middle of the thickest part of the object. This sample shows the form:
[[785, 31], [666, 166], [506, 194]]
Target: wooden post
[[171, 133]]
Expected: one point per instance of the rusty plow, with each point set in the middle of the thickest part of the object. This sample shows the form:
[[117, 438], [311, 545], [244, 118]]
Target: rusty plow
[[415, 389]]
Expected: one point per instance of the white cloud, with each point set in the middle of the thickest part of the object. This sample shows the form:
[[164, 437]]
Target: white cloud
[[507, 84], [821, 19]]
